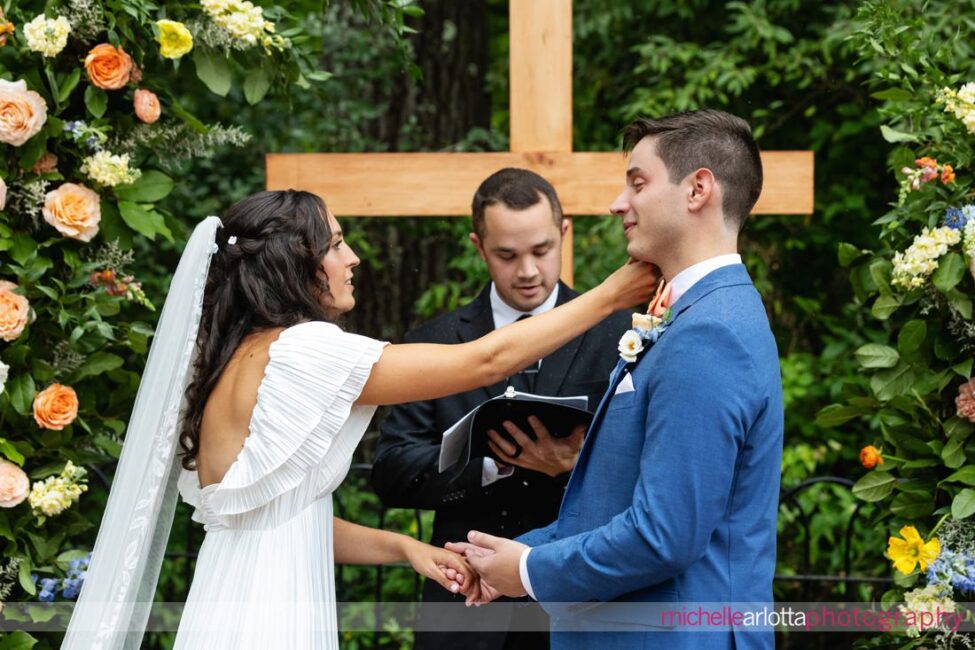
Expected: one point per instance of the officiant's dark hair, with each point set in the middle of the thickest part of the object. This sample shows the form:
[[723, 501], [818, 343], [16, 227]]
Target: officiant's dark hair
[[712, 139], [518, 189], [266, 273]]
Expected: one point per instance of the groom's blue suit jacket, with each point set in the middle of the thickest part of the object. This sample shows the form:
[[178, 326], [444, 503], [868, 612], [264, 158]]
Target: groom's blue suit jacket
[[674, 497]]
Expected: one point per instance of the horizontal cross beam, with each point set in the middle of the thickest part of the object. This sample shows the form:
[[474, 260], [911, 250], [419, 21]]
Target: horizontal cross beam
[[442, 184]]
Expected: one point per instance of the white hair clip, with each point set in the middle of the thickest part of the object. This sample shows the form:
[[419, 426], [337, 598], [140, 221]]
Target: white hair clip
[[232, 240]]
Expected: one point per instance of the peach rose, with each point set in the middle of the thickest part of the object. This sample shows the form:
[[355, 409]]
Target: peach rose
[[14, 485], [55, 407], [108, 67], [14, 312], [22, 112], [47, 163], [74, 210], [147, 106]]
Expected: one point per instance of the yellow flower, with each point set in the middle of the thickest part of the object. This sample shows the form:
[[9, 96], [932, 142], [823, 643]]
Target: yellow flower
[[174, 39], [912, 550]]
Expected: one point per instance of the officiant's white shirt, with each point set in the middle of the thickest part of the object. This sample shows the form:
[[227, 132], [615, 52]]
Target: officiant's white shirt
[[505, 314], [678, 287]]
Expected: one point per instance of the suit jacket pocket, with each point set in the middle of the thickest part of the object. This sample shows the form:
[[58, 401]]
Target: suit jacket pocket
[[621, 401]]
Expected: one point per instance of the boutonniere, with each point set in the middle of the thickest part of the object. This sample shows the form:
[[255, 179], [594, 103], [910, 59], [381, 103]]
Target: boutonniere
[[647, 327]]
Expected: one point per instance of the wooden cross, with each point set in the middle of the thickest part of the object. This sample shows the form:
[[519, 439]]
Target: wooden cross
[[440, 184]]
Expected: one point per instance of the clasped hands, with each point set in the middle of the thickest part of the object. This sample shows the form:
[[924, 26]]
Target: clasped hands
[[495, 564]]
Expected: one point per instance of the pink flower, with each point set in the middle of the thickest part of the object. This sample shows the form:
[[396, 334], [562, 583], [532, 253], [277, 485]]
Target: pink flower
[[147, 106], [14, 312], [965, 402], [47, 163], [14, 485]]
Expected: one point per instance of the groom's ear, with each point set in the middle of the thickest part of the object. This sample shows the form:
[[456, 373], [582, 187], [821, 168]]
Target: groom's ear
[[703, 188], [478, 245]]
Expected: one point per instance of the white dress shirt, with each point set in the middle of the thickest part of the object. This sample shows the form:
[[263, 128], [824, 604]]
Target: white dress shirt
[[505, 314], [679, 285]]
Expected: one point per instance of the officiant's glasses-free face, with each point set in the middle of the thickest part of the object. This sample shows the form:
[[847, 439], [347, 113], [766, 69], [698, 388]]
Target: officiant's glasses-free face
[[523, 252], [338, 264]]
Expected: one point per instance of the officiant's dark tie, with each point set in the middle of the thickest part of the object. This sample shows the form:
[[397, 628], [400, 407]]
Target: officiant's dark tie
[[524, 381]]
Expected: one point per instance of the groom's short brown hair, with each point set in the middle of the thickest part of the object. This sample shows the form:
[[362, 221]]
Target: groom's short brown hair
[[711, 139]]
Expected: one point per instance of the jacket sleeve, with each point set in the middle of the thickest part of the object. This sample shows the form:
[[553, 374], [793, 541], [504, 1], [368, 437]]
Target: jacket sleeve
[[405, 471], [699, 410]]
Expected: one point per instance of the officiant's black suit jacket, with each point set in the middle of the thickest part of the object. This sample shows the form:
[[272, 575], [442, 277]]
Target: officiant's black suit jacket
[[405, 471]]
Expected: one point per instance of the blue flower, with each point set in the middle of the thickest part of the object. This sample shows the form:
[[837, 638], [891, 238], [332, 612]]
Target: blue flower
[[951, 569], [49, 587], [955, 218], [72, 587]]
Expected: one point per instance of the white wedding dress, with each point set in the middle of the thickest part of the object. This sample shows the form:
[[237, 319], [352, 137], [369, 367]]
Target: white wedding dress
[[264, 576]]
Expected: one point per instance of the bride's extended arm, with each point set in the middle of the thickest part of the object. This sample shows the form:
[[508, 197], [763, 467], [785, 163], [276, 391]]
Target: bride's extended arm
[[355, 544], [407, 373]]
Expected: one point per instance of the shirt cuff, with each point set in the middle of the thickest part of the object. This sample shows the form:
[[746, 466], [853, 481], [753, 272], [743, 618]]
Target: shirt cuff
[[490, 472], [523, 572]]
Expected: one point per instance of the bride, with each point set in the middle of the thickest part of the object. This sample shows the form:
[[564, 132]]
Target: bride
[[266, 399]]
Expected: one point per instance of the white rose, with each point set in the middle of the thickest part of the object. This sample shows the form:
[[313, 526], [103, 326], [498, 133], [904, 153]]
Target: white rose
[[4, 373], [3, 194], [630, 346]]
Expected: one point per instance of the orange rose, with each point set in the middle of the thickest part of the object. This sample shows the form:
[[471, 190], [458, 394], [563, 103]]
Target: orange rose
[[870, 457], [14, 485], [74, 210], [55, 407], [22, 112], [47, 163], [147, 106], [108, 67], [14, 311]]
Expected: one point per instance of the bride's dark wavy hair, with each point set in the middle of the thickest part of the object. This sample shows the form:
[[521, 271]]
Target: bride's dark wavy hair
[[271, 276]]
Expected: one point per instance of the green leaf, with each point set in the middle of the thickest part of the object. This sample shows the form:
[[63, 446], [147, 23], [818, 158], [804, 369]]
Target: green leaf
[[143, 220], [836, 414], [18, 640], [24, 248], [847, 254], [964, 368], [213, 70], [880, 271], [152, 186], [954, 453], [958, 427], [112, 228], [894, 136], [874, 486], [68, 85], [965, 475], [894, 95], [960, 303], [884, 306], [108, 445], [26, 582], [256, 85], [874, 355], [96, 100], [98, 363], [8, 450], [963, 505], [21, 390], [892, 382], [951, 269], [912, 505], [911, 336]]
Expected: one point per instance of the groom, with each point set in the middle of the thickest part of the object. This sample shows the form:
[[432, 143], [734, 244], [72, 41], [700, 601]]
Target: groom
[[673, 500]]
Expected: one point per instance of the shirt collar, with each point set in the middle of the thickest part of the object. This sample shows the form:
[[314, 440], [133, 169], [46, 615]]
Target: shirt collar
[[690, 276], [505, 314]]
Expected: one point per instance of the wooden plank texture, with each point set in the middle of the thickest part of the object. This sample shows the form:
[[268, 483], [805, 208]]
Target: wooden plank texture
[[540, 75], [441, 184]]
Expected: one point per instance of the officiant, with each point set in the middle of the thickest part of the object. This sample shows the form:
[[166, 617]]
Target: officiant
[[515, 478]]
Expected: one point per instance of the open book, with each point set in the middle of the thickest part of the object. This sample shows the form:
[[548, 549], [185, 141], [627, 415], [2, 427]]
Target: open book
[[560, 415]]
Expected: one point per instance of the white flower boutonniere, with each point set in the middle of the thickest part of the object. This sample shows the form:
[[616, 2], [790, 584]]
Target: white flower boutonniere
[[647, 328]]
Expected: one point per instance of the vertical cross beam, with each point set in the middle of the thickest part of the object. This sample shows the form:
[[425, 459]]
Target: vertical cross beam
[[540, 69]]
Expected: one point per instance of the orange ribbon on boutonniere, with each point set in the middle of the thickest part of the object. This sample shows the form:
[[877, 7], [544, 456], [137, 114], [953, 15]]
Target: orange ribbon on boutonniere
[[661, 300]]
